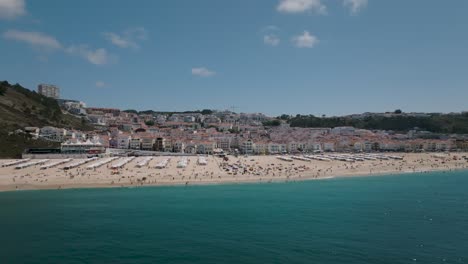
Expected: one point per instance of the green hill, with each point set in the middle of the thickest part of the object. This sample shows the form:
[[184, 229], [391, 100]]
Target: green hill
[[436, 123], [21, 107]]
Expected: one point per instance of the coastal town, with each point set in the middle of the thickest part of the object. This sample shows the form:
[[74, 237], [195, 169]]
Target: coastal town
[[126, 148], [234, 132], [219, 132]]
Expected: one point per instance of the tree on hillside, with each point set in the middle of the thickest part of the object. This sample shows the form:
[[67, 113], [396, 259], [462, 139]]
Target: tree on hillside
[[3, 90], [274, 122], [149, 123], [206, 112]]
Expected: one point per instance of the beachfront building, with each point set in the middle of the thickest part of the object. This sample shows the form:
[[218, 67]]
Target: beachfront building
[[391, 146], [297, 147], [90, 146], [314, 146], [224, 143], [444, 145], [261, 147], [135, 142], [277, 148], [461, 144], [123, 141], [147, 142], [439, 145], [178, 146], [190, 148], [159, 144], [329, 146], [247, 147], [168, 146], [416, 145], [360, 146], [206, 147]]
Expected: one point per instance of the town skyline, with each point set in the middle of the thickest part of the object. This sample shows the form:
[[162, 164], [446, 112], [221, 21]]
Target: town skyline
[[233, 131], [277, 56]]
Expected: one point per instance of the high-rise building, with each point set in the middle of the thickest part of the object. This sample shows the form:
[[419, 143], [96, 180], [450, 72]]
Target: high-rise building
[[49, 90]]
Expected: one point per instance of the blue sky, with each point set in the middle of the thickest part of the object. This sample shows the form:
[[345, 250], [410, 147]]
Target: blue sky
[[318, 57]]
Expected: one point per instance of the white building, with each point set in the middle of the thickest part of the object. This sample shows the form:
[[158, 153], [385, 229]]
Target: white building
[[78, 147], [147, 143], [247, 147], [49, 90], [52, 133], [123, 141], [135, 143]]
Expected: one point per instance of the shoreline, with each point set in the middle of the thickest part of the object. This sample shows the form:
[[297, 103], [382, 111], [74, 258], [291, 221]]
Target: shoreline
[[304, 179], [261, 169]]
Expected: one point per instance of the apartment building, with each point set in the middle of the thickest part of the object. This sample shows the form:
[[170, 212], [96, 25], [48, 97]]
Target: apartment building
[[49, 90], [123, 141], [147, 142], [135, 142]]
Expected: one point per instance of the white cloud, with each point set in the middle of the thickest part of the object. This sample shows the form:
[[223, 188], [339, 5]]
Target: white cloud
[[118, 40], [96, 57], [271, 40], [130, 38], [100, 84], [45, 43], [10, 9], [300, 6], [203, 72], [306, 40], [355, 5], [36, 39]]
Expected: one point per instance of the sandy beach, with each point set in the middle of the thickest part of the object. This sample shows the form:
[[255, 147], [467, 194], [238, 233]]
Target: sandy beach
[[142, 171]]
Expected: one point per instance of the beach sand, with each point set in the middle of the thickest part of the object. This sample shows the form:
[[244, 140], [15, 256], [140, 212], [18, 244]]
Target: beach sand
[[250, 169]]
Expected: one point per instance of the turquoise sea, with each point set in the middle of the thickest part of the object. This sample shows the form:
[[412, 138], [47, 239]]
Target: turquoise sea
[[420, 218]]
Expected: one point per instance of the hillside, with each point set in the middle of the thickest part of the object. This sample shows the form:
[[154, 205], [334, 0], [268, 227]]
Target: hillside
[[20, 107], [437, 123]]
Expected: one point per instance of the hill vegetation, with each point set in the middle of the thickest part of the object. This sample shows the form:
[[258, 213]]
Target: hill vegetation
[[21, 107], [437, 123]]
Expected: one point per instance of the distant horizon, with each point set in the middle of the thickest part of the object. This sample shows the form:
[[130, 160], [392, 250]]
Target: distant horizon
[[239, 112]]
